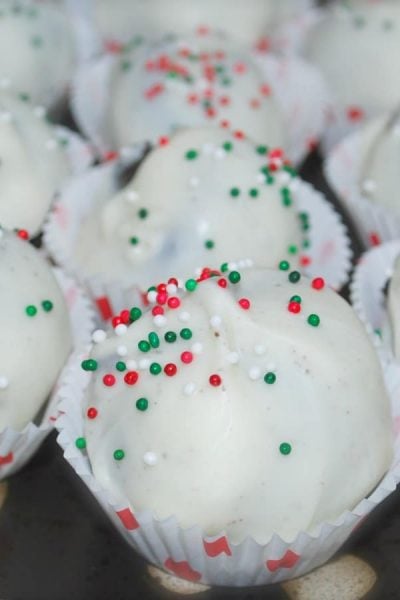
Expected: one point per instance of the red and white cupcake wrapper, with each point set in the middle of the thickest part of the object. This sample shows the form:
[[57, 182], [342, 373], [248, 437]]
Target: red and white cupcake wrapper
[[190, 554], [330, 253], [17, 447], [299, 89], [375, 222], [368, 299]]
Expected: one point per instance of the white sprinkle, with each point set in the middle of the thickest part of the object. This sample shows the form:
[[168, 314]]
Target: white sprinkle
[[132, 196], [122, 350], [197, 348], [232, 266], [203, 226], [159, 320], [369, 186], [5, 82], [194, 181], [184, 316], [284, 177], [144, 363], [152, 296], [6, 117], [121, 329], [171, 288], [208, 148], [39, 112], [150, 459], [254, 373], [249, 263], [3, 382], [51, 144], [233, 358], [293, 185], [259, 349], [189, 389], [131, 365], [99, 336], [215, 321], [220, 153], [260, 178], [271, 366]]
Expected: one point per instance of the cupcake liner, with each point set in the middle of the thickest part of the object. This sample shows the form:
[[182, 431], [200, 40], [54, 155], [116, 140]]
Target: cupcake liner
[[17, 447], [330, 254], [342, 168], [80, 154], [188, 553], [299, 89], [368, 298]]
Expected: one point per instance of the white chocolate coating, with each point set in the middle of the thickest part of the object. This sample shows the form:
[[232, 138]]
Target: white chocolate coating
[[393, 309], [36, 51], [345, 45], [33, 349], [33, 164], [189, 206], [213, 455], [197, 81], [246, 20]]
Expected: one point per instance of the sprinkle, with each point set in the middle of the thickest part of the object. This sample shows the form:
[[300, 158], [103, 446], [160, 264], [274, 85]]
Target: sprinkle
[[194, 182], [296, 299], [152, 296], [318, 283], [197, 348], [122, 350], [294, 307], [89, 365], [232, 358], [313, 320], [284, 265], [150, 459], [155, 368], [120, 366], [215, 380], [142, 404], [134, 241], [31, 310], [259, 349], [191, 285], [170, 369], [186, 333], [186, 357], [154, 339], [174, 302], [119, 454], [270, 378], [294, 277], [109, 380], [234, 277], [191, 154], [99, 336], [209, 244], [253, 193], [170, 337], [131, 377], [80, 443], [254, 373], [234, 192], [184, 316], [47, 305], [189, 389], [172, 288], [144, 364], [120, 329], [144, 346], [244, 303], [285, 448], [215, 321], [3, 382], [159, 321], [92, 412], [131, 365]]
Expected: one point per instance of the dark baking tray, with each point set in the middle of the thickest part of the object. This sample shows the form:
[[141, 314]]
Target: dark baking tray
[[57, 544]]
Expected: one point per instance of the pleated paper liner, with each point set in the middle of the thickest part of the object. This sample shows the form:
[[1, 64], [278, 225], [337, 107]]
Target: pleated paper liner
[[329, 253], [190, 554], [17, 447]]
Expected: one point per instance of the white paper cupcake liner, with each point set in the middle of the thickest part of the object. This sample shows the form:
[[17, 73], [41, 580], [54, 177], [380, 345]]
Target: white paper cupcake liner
[[329, 251], [79, 152], [367, 295], [375, 222], [188, 553], [17, 447], [299, 88]]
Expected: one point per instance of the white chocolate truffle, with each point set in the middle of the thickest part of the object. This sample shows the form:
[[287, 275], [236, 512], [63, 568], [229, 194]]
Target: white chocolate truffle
[[35, 335], [206, 440], [246, 20], [204, 197], [33, 164], [189, 82], [36, 51], [346, 43]]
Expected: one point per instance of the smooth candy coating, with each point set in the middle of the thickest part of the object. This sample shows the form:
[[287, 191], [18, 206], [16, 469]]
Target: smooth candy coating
[[190, 82], [346, 43], [33, 349], [182, 218], [235, 453], [36, 51], [33, 164], [246, 20]]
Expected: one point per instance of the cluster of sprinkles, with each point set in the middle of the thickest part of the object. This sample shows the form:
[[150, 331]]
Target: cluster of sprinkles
[[167, 297], [274, 170]]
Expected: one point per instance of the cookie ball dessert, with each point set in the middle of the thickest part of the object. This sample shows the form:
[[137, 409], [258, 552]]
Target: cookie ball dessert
[[249, 403], [35, 336], [33, 164]]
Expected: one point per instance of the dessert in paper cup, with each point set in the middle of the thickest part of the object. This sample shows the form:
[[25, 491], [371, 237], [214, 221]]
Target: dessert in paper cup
[[200, 196], [237, 433], [362, 170], [149, 90], [45, 316]]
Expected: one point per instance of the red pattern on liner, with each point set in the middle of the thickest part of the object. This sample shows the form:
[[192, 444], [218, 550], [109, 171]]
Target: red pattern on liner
[[7, 459], [219, 546], [104, 308], [128, 519], [182, 569], [288, 560]]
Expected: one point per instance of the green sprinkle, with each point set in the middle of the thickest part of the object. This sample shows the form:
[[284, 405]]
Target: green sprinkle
[[155, 368], [31, 310], [37, 41], [228, 146], [313, 320], [253, 193], [135, 313], [47, 305], [234, 192], [294, 277], [119, 454], [142, 404], [292, 249], [224, 267], [170, 337], [24, 97], [185, 333], [209, 244], [120, 366], [152, 288], [144, 346], [226, 81], [80, 443], [234, 277], [154, 339], [359, 22], [143, 213], [286, 197], [262, 149], [191, 285], [296, 299], [191, 154], [284, 265], [285, 448], [89, 365], [134, 240], [270, 378]]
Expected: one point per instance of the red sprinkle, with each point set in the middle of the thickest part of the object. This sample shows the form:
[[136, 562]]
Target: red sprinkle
[[170, 369], [125, 317], [116, 321], [244, 303], [157, 310], [92, 412], [374, 238], [174, 302], [355, 113], [23, 234], [265, 90], [110, 156], [222, 282], [294, 307], [225, 124], [318, 283], [109, 380], [239, 135], [161, 287], [186, 357], [131, 377], [163, 141], [215, 380], [173, 281], [162, 297], [305, 261]]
